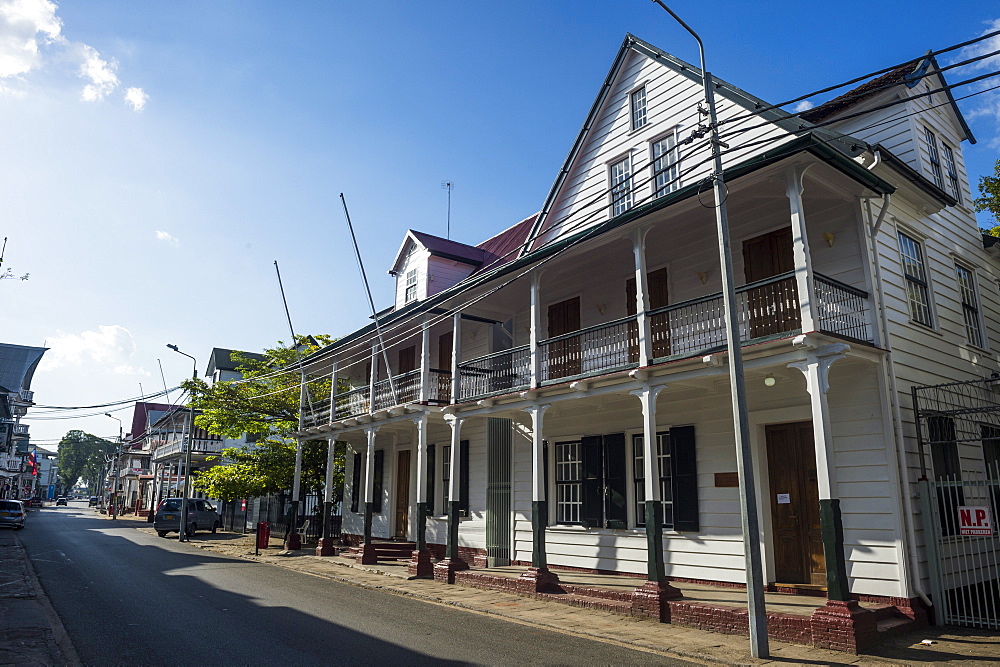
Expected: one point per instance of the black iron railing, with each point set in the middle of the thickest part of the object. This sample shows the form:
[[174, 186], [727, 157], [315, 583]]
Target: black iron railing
[[507, 370]]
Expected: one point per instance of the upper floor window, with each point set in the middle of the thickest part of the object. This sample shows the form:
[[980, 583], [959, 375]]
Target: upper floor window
[[951, 168], [934, 157], [915, 273], [411, 286], [621, 186], [638, 106], [970, 305], [665, 171]]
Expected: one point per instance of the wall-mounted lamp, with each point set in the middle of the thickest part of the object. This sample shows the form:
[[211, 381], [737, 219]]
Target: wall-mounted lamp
[[829, 236], [703, 277], [769, 380]]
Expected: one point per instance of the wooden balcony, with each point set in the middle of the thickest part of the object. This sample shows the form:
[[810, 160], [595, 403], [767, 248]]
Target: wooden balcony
[[765, 309]]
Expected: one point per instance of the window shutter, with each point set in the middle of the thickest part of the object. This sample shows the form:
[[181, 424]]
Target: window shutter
[[430, 480], [546, 478], [684, 478], [616, 481], [463, 478], [591, 482], [377, 499], [356, 482]]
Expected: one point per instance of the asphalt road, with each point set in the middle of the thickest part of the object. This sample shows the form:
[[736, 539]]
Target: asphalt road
[[126, 597]]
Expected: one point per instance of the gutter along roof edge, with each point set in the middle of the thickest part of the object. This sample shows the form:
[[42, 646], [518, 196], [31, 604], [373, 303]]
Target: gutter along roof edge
[[806, 143]]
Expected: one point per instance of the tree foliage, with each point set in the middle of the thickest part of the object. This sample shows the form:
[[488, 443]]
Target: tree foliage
[[269, 467], [989, 199], [265, 403], [82, 455]]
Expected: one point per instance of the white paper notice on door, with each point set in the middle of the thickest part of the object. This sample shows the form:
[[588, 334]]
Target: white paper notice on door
[[784, 499]]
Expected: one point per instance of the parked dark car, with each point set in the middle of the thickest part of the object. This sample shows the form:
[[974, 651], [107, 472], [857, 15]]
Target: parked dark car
[[12, 513], [201, 516], [92, 502], [61, 500], [34, 501]]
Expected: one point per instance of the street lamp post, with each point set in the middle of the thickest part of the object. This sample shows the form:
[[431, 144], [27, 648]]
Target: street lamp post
[[741, 427], [182, 525], [113, 509]]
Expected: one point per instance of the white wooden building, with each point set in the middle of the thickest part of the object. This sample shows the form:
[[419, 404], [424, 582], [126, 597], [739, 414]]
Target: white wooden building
[[527, 383]]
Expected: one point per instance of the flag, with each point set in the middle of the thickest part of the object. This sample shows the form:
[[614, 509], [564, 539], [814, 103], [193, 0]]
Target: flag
[[33, 462]]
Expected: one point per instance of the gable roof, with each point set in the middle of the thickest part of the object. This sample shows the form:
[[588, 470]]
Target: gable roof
[[438, 247], [222, 360], [908, 74], [723, 89], [144, 415], [502, 248]]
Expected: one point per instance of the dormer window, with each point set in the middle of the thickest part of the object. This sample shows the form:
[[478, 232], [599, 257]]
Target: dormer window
[[934, 158], [952, 170], [411, 286]]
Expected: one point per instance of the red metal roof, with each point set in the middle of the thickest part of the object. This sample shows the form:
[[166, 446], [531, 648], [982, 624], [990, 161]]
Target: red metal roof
[[859, 94], [503, 247]]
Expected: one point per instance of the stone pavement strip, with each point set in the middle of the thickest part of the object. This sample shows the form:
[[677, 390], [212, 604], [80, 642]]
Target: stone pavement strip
[[30, 630], [951, 645]]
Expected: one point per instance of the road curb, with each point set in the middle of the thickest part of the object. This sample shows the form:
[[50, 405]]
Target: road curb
[[60, 638]]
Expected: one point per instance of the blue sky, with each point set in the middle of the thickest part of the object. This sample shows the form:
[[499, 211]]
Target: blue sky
[[149, 197]]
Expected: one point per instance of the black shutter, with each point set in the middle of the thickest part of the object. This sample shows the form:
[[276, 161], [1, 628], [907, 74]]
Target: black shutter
[[430, 480], [463, 478], [545, 479], [684, 478], [377, 486], [592, 482], [616, 481], [356, 483]]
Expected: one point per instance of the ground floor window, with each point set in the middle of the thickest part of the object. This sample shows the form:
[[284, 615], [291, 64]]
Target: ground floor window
[[568, 482], [663, 466]]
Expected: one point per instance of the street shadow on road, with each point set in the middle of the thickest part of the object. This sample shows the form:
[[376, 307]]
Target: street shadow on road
[[127, 599]]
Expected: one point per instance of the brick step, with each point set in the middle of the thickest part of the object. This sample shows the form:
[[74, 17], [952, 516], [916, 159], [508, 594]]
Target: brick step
[[601, 593], [590, 602], [385, 551]]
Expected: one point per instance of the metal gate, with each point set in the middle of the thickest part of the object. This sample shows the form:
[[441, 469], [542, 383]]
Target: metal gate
[[499, 445], [959, 435]]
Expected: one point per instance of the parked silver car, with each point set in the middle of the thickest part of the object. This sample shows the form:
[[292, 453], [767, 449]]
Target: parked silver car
[[201, 516], [12, 513]]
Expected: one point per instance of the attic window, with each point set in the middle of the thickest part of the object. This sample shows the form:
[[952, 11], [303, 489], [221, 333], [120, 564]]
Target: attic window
[[638, 105], [934, 158], [411, 286], [952, 170]]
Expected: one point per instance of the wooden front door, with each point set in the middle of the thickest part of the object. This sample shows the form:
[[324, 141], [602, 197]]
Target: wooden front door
[[564, 355], [443, 378], [659, 328], [795, 529], [773, 308], [409, 388], [402, 493]]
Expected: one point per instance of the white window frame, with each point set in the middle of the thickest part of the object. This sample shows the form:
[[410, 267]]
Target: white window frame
[[971, 305], [916, 280], [568, 478], [445, 477], [410, 286], [934, 157], [951, 169], [669, 173], [663, 453], [620, 185], [637, 108]]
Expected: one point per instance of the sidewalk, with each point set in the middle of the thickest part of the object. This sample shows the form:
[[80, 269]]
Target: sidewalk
[[30, 631], [951, 645]]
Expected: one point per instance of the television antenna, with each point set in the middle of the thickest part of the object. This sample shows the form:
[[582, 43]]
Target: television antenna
[[449, 186]]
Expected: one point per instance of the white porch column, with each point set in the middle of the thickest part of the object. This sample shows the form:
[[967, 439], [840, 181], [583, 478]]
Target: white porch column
[[325, 546], [454, 487], [333, 393], [297, 481], [456, 349], [420, 564], [425, 360], [539, 507], [642, 296], [371, 379], [536, 324], [816, 369], [369, 481], [800, 250]]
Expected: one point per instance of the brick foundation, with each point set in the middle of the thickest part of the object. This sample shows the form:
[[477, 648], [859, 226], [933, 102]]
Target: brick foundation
[[325, 547], [444, 570], [420, 566], [651, 599], [538, 580], [844, 626], [366, 554], [293, 541]]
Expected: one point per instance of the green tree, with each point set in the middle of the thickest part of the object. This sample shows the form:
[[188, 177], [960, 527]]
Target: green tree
[[82, 455], [989, 189], [265, 404]]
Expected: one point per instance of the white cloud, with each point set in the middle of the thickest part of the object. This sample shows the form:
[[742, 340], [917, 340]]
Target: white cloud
[[137, 98], [99, 72], [167, 237], [985, 105], [111, 347], [804, 105], [32, 42]]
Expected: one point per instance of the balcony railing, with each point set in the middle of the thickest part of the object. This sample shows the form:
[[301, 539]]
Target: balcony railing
[[318, 413], [27, 395], [20, 429], [765, 309], [508, 370], [599, 348]]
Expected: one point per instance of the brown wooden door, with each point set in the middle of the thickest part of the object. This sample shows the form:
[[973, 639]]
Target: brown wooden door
[[773, 308], [402, 493], [443, 380], [795, 529], [408, 389], [564, 355], [659, 327], [407, 359]]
